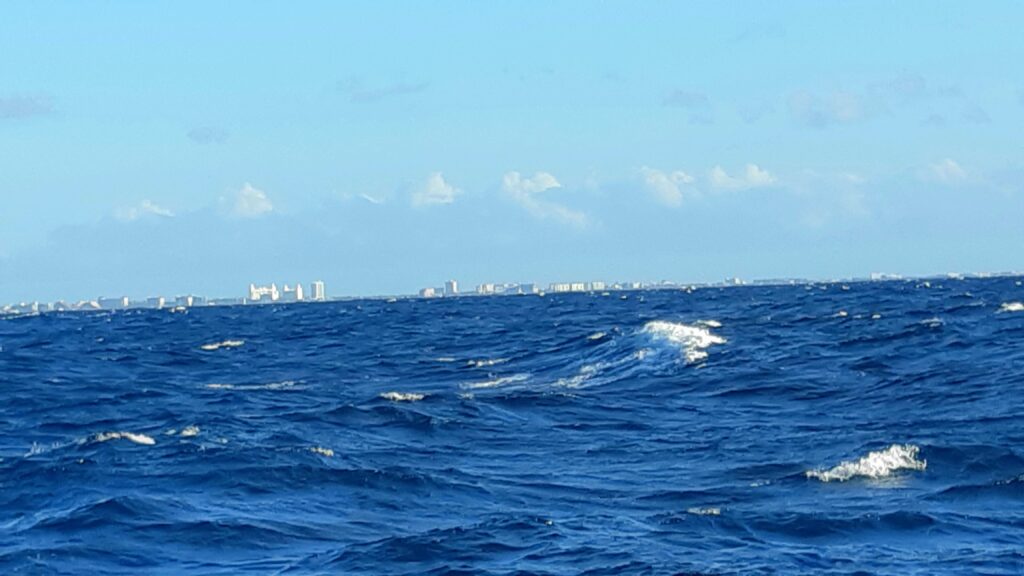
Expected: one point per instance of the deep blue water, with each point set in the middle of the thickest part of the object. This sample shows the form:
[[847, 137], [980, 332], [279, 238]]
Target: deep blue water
[[818, 429]]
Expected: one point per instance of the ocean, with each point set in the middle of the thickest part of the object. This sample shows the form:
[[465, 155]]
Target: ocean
[[821, 428]]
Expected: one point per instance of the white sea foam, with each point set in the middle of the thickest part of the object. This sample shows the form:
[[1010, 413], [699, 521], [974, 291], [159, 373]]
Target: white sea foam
[[486, 362], [225, 344], [137, 438], [286, 385], [1012, 307], [692, 340], [708, 511], [710, 323], [880, 464], [596, 336], [496, 382], [933, 322], [190, 431], [444, 359], [402, 396], [326, 452], [841, 314]]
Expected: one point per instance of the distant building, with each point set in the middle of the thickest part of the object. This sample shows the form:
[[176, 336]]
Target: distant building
[[290, 294], [578, 287], [188, 301], [157, 302], [428, 293], [113, 303], [597, 286], [528, 288], [317, 293], [559, 287], [485, 289], [264, 293], [451, 288]]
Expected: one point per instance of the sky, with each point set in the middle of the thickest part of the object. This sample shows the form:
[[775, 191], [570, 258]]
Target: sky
[[166, 148]]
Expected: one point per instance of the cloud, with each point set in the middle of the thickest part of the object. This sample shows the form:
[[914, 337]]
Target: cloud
[[357, 92], [524, 191], [975, 114], [145, 208], [839, 107], [251, 202], [371, 199], [436, 190], [17, 106], [667, 187], [753, 177], [697, 103], [208, 135], [945, 172]]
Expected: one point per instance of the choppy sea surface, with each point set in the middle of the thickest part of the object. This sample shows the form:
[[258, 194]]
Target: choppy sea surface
[[811, 429]]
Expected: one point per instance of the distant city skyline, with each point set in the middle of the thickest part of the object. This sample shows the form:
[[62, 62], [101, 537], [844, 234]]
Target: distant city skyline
[[176, 148]]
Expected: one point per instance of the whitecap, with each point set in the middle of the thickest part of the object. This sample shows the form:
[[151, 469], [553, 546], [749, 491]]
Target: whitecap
[[879, 464], [486, 362], [841, 314], [225, 344], [596, 336], [444, 359], [190, 431], [132, 436], [933, 322], [326, 452], [876, 316], [496, 382], [692, 340], [1012, 307], [707, 511], [402, 396], [710, 323], [286, 385]]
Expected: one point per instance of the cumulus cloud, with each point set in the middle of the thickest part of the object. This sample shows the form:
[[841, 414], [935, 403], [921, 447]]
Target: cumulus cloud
[[667, 187], [436, 190], [251, 202], [948, 171], [358, 92], [525, 191], [18, 106], [145, 208], [752, 177], [208, 135]]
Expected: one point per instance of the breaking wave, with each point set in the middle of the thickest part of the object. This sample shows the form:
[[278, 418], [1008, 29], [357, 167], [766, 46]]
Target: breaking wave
[[1012, 307], [879, 464], [225, 344], [693, 341], [132, 436], [402, 396]]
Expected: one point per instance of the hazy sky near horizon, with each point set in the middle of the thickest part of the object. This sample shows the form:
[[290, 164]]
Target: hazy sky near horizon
[[175, 147]]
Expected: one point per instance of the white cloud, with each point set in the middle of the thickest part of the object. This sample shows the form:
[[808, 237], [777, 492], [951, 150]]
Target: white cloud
[[434, 191], [667, 187], [946, 172], [372, 199], [145, 208], [753, 177], [251, 202], [525, 190]]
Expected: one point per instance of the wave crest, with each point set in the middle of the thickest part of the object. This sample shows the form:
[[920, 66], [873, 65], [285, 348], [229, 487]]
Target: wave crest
[[225, 344], [137, 438], [879, 464], [1012, 307], [692, 340], [402, 396]]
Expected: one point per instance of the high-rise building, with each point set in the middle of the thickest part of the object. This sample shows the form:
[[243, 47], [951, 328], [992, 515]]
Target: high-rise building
[[260, 293], [290, 294], [451, 288], [113, 303], [317, 292]]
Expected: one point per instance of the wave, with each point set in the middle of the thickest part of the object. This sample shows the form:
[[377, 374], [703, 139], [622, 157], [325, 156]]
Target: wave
[[692, 340], [402, 396], [496, 382], [879, 464], [225, 344], [325, 452], [1012, 307], [132, 436], [706, 511], [285, 385], [486, 362]]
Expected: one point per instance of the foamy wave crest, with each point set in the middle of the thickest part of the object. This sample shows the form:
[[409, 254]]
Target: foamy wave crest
[[132, 436], [880, 464], [692, 340], [708, 511], [286, 385], [486, 362], [497, 382], [325, 452], [402, 396], [225, 344], [1012, 307]]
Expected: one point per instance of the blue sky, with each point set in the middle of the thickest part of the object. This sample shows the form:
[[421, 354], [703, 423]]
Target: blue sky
[[176, 147]]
